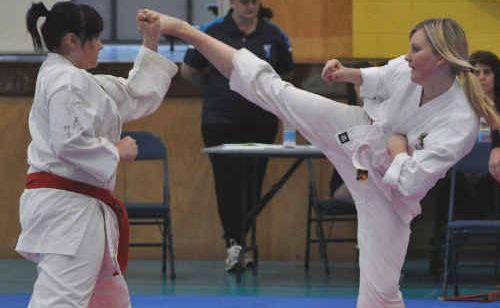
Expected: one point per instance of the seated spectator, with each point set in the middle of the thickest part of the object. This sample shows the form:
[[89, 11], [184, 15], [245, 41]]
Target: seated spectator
[[488, 70]]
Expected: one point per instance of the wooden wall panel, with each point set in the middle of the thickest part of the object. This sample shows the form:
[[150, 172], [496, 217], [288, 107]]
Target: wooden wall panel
[[197, 233], [13, 142], [318, 29]]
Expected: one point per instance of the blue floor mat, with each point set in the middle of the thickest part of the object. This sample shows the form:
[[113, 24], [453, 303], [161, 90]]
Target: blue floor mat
[[152, 301]]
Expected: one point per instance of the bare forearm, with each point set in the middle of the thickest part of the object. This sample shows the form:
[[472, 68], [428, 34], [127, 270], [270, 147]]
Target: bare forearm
[[335, 71], [150, 43], [217, 52], [354, 76]]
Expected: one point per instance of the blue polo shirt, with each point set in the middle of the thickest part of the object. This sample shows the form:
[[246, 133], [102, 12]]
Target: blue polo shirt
[[221, 105]]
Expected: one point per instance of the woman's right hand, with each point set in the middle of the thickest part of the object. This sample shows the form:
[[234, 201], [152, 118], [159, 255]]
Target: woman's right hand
[[335, 71], [396, 144], [332, 71], [127, 149]]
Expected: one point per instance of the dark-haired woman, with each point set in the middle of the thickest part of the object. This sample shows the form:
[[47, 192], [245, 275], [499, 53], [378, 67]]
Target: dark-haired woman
[[488, 72], [72, 227], [229, 118]]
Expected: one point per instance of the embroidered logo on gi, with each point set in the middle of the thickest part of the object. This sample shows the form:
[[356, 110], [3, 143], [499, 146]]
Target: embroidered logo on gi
[[361, 175], [344, 137], [267, 51], [420, 141]]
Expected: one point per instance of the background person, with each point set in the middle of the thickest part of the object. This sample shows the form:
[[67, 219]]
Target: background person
[[488, 72], [472, 188], [227, 117]]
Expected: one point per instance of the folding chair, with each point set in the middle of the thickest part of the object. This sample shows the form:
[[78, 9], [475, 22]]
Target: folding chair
[[151, 147], [321, 212], [458, 232]]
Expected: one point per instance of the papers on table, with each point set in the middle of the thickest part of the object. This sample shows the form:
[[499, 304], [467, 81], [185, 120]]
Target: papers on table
[[259, 146], [244, 146]]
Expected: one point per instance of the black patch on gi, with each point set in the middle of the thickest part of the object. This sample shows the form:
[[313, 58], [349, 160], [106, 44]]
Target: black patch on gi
[[344, 137]]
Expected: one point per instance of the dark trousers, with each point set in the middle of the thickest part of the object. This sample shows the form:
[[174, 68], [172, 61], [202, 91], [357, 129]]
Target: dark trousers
[[228, 172]]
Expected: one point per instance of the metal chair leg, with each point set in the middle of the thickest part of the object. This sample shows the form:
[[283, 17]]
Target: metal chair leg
[[170, 246], [497, 257], [455, 272], [444, 287], [164, 247], [322, 243]]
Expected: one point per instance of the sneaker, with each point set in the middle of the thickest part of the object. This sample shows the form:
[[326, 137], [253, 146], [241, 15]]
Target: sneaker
[[233, 253]]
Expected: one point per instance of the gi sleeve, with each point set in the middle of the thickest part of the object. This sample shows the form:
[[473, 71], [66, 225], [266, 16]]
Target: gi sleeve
[[143, 91], [73, 137], [378, 82], [413, 176]]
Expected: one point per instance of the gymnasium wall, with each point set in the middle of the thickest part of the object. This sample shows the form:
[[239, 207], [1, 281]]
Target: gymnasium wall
[[381, 27]]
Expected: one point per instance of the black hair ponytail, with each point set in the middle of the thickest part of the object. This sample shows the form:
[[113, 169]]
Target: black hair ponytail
[[64, 17], [36, 11]]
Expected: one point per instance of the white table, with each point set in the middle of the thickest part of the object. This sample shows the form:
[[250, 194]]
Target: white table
[[250, 152]]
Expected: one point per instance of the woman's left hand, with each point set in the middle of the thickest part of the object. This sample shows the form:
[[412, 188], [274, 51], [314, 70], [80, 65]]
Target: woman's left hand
[[148, 24], [168, 25], [397, 144], [494, 164]]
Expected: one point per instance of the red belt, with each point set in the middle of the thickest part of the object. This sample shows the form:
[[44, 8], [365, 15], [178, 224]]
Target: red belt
[[49, 180]]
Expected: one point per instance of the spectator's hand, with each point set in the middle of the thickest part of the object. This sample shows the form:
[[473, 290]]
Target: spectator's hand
[[127, 149], [494, 164], [335, 71], [397, 144], [149, 27], [168, 25]]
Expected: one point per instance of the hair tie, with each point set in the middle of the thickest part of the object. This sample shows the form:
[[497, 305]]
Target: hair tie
[[42, 9], [465, 69]]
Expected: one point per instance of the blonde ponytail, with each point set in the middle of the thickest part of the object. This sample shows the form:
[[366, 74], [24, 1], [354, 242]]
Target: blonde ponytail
[[483, 105]]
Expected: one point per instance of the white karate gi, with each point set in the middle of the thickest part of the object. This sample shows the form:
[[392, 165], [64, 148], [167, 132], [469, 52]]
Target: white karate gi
[[439, 134], [75, 120]]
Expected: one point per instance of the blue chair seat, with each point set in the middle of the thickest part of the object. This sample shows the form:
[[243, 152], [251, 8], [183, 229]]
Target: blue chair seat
[[475, 226], [147, 210]]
